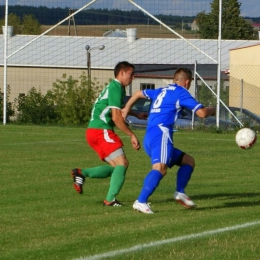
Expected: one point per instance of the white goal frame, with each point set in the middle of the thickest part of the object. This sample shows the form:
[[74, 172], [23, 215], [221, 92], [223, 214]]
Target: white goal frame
[[6, 56]]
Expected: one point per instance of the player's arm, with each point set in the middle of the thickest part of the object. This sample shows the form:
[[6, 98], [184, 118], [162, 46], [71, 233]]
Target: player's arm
[[121, 125], [140, 115], [126, 110], [186, 100], [206, 111]]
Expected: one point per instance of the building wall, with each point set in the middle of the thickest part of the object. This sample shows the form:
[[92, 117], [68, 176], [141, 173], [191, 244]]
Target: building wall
[[245, 78], [22, 79], [158, 82]]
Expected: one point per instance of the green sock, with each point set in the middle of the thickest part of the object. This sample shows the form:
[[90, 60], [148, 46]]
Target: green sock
[[116, 182], [98, 172]]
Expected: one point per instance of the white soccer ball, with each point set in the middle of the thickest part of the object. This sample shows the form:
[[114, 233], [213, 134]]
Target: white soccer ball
[[246, 138]]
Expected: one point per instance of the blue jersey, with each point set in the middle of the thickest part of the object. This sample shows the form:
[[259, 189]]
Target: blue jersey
[[167, 103]]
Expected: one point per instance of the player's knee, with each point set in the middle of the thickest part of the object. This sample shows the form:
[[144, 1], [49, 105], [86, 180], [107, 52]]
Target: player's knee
[[126, 163], [121, 160], [187, 159], [162, 168], [192, 162]]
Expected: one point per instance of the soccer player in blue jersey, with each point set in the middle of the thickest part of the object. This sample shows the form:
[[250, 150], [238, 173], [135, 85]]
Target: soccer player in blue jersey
[[166, 104]]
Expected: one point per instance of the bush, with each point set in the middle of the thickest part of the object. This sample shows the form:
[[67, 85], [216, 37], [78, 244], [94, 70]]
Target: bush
[[74, 99], [9, 107], [69, 102], [36, 108]]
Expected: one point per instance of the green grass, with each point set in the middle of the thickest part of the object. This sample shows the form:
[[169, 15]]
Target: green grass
[[42, 217]]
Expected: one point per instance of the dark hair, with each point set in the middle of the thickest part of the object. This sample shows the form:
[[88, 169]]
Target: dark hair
[[182, 73], [122, 65]]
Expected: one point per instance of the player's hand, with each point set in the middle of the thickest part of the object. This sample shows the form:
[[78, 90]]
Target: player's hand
[[124, 113], [135, 143]]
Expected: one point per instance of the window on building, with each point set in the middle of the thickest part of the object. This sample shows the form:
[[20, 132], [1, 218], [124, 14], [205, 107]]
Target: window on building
[[147, 86]]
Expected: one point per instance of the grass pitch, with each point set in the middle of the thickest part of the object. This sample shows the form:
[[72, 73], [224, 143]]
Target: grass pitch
[[42, 217]]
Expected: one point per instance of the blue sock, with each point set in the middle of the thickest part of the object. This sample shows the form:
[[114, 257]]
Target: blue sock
[[183, 177], [151, 182]]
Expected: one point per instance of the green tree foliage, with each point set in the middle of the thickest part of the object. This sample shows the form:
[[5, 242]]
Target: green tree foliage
[[36, 108], [50, 16], [31, 25], [9, 106], [233, 25], [27, 25], [207, 98], [15, 21], [74, 99]]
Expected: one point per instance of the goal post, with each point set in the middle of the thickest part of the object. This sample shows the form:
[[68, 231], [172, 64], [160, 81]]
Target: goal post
[[46, 59]]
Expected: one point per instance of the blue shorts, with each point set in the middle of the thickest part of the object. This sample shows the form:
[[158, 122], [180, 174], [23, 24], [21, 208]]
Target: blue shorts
[[158, 145]]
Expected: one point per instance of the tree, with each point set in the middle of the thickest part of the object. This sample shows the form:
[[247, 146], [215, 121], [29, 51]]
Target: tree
[[233, 25], [31, 25], [28, 25], [15, 21]]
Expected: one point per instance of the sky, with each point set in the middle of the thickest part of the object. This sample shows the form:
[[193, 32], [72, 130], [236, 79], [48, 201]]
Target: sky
[[249, 8]]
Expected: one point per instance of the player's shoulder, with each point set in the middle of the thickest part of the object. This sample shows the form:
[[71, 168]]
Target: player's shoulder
[[114, 82]]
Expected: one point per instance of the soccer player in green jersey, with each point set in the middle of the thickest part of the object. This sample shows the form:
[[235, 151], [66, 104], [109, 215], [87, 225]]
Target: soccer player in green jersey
[[106, 114]]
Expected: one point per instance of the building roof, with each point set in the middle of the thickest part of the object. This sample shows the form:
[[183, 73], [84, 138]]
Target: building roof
[[116, 33], [69, 51], [249, 46]]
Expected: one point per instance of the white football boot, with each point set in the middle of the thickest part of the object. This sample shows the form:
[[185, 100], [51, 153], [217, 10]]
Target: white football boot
[[184, 200], [142, 207]]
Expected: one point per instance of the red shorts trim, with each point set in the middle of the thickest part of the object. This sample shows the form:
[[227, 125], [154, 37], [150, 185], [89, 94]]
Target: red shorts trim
[[103, 141]]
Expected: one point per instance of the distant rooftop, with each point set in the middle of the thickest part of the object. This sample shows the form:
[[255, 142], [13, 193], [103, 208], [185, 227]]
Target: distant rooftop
[[69, 51], [115, 33]]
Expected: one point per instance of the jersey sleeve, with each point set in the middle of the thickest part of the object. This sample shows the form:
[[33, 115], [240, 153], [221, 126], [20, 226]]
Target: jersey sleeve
[[188, 101], [151, 93]]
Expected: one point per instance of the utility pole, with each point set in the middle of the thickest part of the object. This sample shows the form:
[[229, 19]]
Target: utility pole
[[73, 20]]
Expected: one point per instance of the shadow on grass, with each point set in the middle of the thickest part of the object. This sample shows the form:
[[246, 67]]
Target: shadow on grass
[[230, 196], [232, 205], [226, 197]]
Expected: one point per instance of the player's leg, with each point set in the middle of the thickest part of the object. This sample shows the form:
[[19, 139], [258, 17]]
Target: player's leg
[[184, 173], [159, 150], [151, 182], [108, 145], [187, 164], [120, 163], [99, 172], [97, 141], [95, 138]]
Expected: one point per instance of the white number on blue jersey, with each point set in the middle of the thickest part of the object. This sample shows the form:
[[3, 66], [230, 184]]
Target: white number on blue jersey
[[157, 103]]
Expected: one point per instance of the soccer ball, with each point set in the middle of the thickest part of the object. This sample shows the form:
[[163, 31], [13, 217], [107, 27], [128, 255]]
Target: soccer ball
[[245, 138]]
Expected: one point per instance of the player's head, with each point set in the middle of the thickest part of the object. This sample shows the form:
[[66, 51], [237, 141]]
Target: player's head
[[183, 77], [124, 72]]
